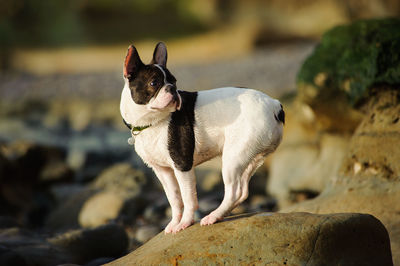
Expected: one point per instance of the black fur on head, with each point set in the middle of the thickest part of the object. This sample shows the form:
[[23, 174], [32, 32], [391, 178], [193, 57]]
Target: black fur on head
[[145, 81]]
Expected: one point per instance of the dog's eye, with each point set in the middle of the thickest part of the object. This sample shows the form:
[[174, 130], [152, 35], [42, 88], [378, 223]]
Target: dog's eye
[[154, 83]]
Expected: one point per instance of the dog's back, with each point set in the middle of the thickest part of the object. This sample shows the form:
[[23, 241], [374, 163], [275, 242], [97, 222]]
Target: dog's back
[[234, 117]]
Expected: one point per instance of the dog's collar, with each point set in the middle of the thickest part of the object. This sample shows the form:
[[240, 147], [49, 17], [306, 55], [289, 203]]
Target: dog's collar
[[135, 130]]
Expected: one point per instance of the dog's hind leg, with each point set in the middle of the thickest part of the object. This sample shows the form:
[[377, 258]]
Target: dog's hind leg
[[246, 176], [172, 191], [232, 170]]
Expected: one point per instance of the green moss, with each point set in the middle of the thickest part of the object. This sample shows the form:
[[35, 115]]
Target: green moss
[[355, 57]]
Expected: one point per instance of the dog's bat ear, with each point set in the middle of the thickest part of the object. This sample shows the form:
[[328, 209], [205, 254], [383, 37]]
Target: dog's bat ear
[[132, 62], [160, 55]]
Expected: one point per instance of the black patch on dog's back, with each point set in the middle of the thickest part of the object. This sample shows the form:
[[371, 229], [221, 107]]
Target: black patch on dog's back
[[281, 116], [181, 132]]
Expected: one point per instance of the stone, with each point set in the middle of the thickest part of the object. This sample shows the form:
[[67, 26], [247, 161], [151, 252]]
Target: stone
[[121, 178], [72, 205], [113, 194], [267, 238], [369, 177], [118, 189], [306, 160], [27, 169], [349, 61], [100, 209], [21, 247], [85, 245]]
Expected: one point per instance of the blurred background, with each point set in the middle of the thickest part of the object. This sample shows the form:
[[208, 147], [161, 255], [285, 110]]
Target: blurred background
[[64, 158]]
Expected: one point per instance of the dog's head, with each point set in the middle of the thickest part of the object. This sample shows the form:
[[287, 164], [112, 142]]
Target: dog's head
[[152, 85]]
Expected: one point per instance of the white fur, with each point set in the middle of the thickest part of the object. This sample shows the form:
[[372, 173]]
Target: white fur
[[237, 124]]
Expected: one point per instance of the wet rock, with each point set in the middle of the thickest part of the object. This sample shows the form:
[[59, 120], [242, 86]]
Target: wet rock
[[21, 247], [346, 239], [87, 244]]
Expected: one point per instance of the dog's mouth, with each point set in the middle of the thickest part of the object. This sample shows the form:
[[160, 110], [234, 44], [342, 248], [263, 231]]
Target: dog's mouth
[[169, 100]]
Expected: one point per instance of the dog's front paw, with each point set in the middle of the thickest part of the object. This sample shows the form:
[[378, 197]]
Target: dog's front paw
[[182, 225], [210, 219], [170, 227]]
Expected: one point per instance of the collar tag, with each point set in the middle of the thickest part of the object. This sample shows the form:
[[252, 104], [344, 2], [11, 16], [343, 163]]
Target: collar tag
[[134, 132]]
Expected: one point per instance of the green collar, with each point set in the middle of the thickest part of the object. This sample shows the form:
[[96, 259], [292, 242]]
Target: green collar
[[137, 130]]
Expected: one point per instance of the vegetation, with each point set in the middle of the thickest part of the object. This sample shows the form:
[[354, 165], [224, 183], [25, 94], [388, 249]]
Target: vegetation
[[351, 59]]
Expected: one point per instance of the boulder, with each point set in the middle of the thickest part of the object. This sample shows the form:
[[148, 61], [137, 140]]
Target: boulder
[[121, 178], [306, 160], [113, 194], [266, 238], [349, 61], [84, 245], [59, 221], [352, 65], [26, 172], [22, 247], [119, 187], [369, 178]]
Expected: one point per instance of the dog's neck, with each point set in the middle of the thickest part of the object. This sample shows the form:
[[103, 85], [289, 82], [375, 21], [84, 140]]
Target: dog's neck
[[138, 115]]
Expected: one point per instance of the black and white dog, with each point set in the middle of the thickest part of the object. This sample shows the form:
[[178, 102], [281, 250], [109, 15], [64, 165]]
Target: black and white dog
[[176, 130]]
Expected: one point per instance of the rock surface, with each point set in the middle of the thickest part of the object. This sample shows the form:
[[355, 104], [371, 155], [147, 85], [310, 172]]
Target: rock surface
[[23, 247], [291, 239], [349, 61], [306, 160], [349, 86], [369, 179]]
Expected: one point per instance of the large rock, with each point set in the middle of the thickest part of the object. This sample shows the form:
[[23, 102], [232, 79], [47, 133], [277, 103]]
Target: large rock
[[119, 187], [26, 172], [306, 160], [113, 194], [22, 247], [349, 61], [266, 238], [369, 179], [85, 245], [345, 70]]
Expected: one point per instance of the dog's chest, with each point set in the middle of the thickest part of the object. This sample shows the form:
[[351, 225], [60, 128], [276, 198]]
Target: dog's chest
[[151, 146]]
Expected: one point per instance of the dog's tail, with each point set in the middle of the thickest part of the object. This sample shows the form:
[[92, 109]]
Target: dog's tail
[[280, 117]]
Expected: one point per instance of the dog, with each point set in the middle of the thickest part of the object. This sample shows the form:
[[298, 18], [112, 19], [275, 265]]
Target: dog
[[175, 130]]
